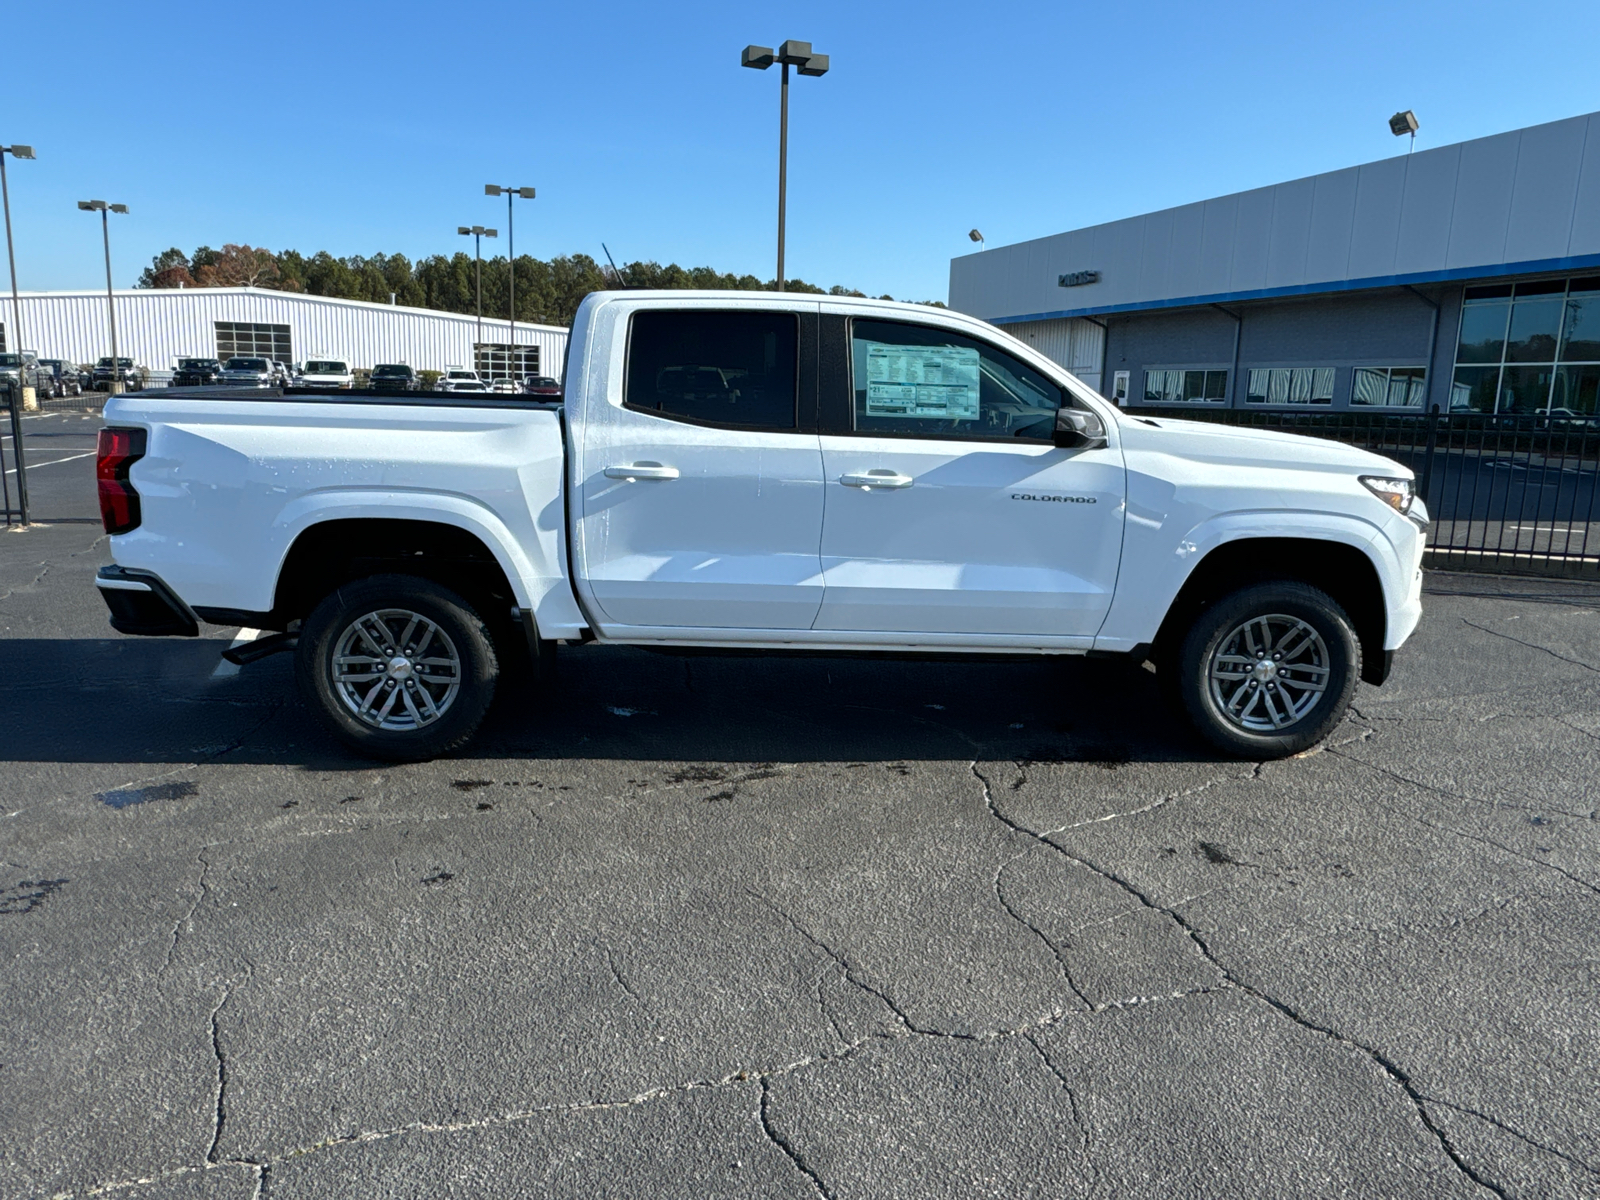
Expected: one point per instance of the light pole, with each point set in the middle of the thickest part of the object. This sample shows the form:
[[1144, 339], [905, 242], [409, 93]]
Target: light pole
[[11, 255], [100, 206], [478, 233], [791, 53], [511, 193]]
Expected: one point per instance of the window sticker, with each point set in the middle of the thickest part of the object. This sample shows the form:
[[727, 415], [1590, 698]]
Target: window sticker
[[921, 382]]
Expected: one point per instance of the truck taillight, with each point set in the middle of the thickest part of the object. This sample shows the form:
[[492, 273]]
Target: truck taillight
[[118, 450]]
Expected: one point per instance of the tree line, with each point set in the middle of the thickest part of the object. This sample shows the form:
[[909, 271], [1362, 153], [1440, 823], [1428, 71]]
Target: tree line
[[548, 292]]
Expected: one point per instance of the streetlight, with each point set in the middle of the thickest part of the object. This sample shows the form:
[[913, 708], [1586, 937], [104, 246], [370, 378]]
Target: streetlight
[[478, 233], [1403, 123], [511, 193], [791, 53], [977, 237], [11, 255], [100, 206]]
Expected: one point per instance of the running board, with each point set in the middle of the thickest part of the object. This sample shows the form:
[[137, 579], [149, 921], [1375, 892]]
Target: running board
[[241, 656]]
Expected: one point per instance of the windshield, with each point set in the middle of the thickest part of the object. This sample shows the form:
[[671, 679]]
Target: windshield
[[327, 366], [10, 360], [459, 375], [248, 364], [121, 362], [196, 364], [389, 371]]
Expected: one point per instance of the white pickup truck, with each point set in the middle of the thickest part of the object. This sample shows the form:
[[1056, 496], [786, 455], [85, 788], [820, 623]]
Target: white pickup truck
[[777, 472]]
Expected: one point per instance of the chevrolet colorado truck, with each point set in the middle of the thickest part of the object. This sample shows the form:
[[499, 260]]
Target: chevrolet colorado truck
[[770, 472]]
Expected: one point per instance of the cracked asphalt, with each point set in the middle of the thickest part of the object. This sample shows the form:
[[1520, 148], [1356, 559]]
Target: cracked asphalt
[[797, 927]]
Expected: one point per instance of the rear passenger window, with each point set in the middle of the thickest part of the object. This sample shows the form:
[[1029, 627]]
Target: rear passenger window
[[715, 368]]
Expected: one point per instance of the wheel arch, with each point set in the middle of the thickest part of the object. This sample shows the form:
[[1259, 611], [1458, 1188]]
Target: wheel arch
[[1345, 572], [330, 553]]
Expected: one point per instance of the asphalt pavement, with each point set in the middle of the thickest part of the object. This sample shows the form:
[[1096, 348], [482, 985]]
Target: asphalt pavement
[[793, 926]]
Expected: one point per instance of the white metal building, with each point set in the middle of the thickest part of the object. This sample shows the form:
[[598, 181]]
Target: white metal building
[[157, 326]]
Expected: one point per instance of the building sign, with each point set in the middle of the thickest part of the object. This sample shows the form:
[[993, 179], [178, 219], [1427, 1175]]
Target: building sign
[[1078, 278]]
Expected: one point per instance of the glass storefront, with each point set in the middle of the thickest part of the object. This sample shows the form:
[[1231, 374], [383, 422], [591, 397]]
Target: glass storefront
[[1529, 348]]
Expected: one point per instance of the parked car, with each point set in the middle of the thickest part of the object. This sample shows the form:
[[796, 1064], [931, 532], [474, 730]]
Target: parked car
[[249, 372], [393, 377], [85, 377], [943, 487], [325, 373], [130, 376], [197, 372], [504, 387], [22, 368], [541, 385], [63, 378], [459, 379], [281, 375]]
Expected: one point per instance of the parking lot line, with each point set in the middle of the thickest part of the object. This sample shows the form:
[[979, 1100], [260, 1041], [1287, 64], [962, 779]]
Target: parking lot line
[[34, 466]]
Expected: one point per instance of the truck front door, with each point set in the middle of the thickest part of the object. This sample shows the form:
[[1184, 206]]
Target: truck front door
[[702, 477], [949, 510]]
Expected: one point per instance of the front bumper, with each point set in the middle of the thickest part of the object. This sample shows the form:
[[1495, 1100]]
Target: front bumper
[[143, 605]]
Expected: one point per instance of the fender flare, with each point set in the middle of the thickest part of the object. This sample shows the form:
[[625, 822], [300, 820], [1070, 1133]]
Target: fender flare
[[539, 585]]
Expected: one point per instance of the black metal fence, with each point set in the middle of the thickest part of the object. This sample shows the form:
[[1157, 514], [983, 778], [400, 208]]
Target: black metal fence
[[13, 457], [1509, 493]]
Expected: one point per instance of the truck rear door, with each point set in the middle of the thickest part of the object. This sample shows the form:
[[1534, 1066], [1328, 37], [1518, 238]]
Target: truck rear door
[[701, 485]]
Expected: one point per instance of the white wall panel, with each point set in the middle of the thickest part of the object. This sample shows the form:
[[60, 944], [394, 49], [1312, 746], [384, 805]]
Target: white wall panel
[[1545, 190]]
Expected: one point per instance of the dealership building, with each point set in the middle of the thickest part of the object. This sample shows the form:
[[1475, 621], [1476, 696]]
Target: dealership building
[[1466, 276], [158, 326]]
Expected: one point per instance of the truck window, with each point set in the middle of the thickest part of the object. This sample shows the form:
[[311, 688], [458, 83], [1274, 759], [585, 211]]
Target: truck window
[[729, 368], [922, 381]]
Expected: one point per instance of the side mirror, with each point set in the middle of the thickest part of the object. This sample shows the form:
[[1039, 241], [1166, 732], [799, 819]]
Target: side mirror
[[1078, 429]]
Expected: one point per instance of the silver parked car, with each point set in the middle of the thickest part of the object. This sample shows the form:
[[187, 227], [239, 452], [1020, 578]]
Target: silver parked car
[[249, 372]]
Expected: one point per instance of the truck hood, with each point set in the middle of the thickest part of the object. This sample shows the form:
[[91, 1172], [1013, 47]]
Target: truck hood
[[1241, 446]]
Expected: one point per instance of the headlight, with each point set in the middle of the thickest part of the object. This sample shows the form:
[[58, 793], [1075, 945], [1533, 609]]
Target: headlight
[[1396, 493]]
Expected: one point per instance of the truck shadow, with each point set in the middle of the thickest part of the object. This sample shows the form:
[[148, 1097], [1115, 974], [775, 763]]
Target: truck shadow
[[147, 700]]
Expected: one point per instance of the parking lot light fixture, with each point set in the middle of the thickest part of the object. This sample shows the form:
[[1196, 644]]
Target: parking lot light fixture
[[790, 54], [511, 193], [977, 237], [11, 254], [114, 385], [478, 233], [1405, 122]]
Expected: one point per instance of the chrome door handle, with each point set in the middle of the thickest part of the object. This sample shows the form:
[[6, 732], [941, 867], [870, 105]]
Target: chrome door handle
[[641, 470], [878, 477]]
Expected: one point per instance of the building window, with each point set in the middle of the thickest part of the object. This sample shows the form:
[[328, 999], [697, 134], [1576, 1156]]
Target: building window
[[1185, 386], [241, 339], [1290, 385], [1529, 348], [2, 337], [1389, 387], [492, 360]]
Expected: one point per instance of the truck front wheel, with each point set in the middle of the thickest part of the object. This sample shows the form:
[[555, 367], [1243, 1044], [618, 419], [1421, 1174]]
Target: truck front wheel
[[397, 667], [1270, 670]]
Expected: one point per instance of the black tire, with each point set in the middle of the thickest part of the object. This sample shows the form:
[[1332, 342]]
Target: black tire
[[434, 718], [1289, 714]]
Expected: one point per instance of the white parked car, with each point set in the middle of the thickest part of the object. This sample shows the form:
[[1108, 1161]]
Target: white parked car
[[778, 472], [326, 372], [459, 379]]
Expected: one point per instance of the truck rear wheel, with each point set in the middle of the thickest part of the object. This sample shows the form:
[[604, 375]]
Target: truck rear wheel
[[397, 667], [1270, 670]]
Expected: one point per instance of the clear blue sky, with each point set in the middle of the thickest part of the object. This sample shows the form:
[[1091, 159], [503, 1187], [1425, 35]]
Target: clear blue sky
[[360, 127]]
